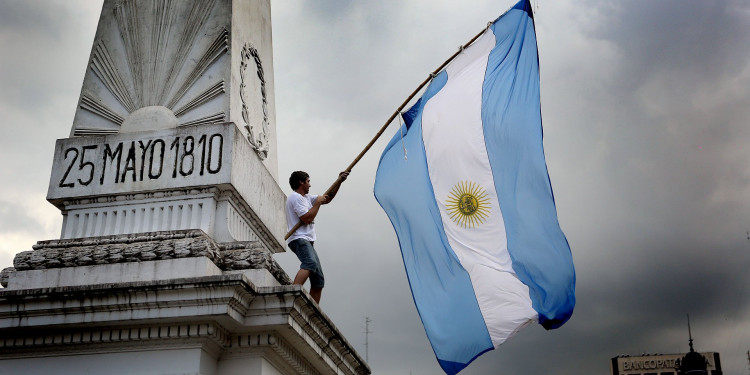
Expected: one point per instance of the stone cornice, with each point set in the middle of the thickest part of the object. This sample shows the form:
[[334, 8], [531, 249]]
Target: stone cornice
[[134, 198], [148, 246], [309, 320], [228, 302], [117, 249], [208, 336], [275, 348], [219, 193], [17, 343], [232, 196]]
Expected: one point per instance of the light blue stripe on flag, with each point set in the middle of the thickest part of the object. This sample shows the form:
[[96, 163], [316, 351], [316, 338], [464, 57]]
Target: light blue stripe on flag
[[513, 137]]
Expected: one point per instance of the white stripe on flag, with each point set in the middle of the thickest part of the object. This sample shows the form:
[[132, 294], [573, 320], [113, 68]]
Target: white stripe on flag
[[457, 161]]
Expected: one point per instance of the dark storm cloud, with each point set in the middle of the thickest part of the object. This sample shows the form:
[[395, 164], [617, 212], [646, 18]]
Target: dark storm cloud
[[644, 107], [705, 39], [658, 208]]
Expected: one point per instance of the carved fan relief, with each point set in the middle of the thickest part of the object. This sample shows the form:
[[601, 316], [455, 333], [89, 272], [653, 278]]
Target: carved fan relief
[[148, 70], [254, 102]]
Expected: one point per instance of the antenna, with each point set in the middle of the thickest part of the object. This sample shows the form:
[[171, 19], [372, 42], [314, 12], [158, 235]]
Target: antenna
[[690, 334], [748, 359], [367, 341]]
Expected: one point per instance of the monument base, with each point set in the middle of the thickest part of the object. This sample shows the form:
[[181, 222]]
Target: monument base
[[220, 309]]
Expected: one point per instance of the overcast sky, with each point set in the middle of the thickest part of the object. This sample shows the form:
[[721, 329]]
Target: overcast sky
[[645, 107]]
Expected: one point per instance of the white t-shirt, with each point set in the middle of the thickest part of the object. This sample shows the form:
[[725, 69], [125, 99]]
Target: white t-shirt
[[296, 206]]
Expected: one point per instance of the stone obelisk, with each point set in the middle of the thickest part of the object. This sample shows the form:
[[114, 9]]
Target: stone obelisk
[[169, 190]]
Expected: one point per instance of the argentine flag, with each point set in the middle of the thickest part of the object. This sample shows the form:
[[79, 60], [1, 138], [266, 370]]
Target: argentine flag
[[472, 205]]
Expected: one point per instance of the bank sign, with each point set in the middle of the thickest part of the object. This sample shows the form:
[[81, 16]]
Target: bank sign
[[140, 162], [657, 363]]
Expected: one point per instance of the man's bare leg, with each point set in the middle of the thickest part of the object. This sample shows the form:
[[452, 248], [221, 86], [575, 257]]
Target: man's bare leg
[[315, 292], [302, 276]]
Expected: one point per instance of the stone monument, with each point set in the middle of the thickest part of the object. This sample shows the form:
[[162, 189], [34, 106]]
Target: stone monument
[[169, 191]]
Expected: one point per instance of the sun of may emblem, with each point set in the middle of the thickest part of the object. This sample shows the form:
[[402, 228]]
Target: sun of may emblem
[[468, 204]]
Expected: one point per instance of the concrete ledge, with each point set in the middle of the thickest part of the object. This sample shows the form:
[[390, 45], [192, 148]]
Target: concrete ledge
[[122, 248], [113, 273], [235, 318], [139, 257]]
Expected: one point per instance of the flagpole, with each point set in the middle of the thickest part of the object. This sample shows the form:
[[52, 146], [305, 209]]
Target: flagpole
[[432, 75]]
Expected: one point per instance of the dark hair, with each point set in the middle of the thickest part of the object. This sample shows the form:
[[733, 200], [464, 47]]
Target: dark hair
[[297, 178]]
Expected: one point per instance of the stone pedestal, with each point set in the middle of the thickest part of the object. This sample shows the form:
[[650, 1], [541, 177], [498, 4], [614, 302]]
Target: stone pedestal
[[162, 303], [172, 211], [196, 177]]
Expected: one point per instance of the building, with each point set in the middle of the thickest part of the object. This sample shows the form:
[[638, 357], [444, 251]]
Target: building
[[663, 364], [690, 363]]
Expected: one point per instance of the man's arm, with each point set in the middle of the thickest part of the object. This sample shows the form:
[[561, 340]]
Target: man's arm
[[310, 215], [343, 176]]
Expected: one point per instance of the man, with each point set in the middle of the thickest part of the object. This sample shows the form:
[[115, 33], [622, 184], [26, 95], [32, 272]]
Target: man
[[302, 206]]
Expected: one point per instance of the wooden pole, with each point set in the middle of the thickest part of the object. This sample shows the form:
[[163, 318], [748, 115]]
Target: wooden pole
[[338, 181]]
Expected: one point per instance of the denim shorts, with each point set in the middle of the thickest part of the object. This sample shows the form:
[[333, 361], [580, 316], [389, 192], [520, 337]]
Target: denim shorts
[[309, 260]]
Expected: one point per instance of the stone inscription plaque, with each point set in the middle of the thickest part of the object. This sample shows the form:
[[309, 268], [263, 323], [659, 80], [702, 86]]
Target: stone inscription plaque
[[134, 162]]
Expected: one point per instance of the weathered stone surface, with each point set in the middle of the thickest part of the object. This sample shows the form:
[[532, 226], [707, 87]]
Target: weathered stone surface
[[226, 319], [251, 255], [206, 177], [149, 246], [116, 249], [127, 272], [5, 275]]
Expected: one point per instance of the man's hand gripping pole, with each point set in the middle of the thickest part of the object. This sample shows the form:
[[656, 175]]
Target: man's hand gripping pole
[[335, 186]]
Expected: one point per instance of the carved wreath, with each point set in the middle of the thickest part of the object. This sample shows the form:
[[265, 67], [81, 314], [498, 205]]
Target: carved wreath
[[257, 135]]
